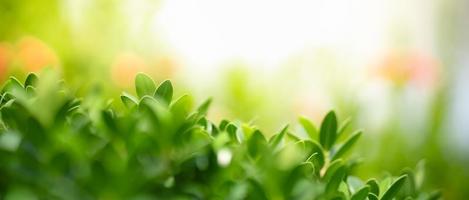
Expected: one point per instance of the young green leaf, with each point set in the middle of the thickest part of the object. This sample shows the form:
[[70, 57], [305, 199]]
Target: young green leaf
[[181, 107], [31, 80], [277, 138], [336, 179], [165, 91], [374, 187], [347, 145], [328, 131], [203, 108], [309, 127], [361, 194], [144, 85], [392, 191], [128, 100], [333, 167], [343, 126]]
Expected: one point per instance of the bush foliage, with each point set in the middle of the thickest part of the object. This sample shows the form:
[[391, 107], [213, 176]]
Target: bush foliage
[[54, 145]]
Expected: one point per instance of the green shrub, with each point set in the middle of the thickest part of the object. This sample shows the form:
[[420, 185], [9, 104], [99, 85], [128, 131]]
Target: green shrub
[[56, 146]]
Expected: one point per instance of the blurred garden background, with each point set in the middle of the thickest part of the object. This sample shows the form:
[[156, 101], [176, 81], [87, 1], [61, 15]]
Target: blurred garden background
[[398, 68]]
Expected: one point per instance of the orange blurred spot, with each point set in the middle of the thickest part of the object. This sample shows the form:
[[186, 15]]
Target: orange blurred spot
[[409, 68], [125, 67], [34, 54]]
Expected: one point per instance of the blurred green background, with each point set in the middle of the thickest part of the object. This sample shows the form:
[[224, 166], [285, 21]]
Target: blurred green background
[[398, 69]]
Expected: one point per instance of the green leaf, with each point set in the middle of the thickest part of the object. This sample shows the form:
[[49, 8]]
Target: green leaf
[[336, 179], [128, 100], [333, 167], [165, 91], [231, 130], [30, 91], [31, 80], [256, 144], [328, 131], [361, 194], [144, 85], [317, 156], [203, 108], [343, 126], [277, 138], [309, 127], [392, 191], [374, 187], [13, 86], [347, 145], [181, 107], [372, 196], [435, 195]]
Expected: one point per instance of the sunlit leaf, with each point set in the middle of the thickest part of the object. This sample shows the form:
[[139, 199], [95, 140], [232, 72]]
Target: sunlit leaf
[[309, 127], [165, 91], [144, 85], [347, 145], [128, 100]]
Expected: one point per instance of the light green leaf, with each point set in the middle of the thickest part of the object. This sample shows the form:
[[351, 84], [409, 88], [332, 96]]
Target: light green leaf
[[277, 138], [347, 145], [144, 85], [182, 106], [392, 191], [165, 91], [203, 108], [328, 131], [128, 100], [309, 127], [343, 126]]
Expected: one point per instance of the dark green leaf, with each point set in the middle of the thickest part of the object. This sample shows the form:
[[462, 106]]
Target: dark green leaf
[[332, 169], [335, 180], [31, 80], [144, 85], [372, 196], [256, 144], [392, 191], [374, 187], [347, 145], [328, 131], [165, 91], [232, 129], [361, 194]]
